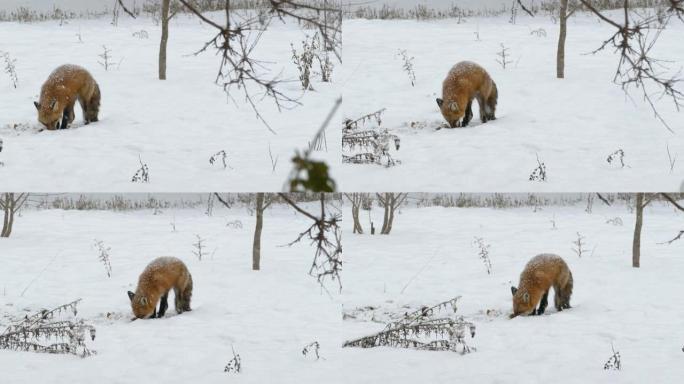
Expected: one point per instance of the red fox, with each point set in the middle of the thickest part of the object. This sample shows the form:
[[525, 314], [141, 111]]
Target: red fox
[[162, 274], [540, 274], [59, 93], [465, 82]]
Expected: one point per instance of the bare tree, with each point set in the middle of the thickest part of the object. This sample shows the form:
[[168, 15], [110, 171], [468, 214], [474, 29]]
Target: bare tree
[[164, 38], [634, 38], [390, 202], [642, 200], [10, 203], [636, 241], [356, 199], [262, 202], [560, 53]]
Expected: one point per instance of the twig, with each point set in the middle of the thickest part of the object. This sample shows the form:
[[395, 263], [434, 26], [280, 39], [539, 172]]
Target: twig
[[39, 275]]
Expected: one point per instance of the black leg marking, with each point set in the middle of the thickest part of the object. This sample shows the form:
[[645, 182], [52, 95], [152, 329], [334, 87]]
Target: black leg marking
[[163, 304], [543, 303], [65, 119], [468, 115]]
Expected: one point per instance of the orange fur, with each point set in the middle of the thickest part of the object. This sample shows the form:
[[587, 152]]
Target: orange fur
[[540, 274], [58, 95], [467, 81], [156, 281]]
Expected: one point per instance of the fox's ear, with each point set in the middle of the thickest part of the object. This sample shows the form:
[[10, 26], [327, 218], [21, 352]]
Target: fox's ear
[[440, 102], [514, 290], [131, 295], [36, 104], [453, 106], [53, 104], [526, 297], [143, 301]]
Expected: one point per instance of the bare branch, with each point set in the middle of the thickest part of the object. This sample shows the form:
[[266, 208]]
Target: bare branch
[[605, 201], [672, 201], [126, 9], [679, 236], [525, 8], [636, 67], [327, 261], [220, 199]]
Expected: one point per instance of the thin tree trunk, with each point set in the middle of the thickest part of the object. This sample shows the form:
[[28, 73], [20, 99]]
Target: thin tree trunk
[[164, 39], [560, 54], [636, 243], [11, 219], [10, 203], [386, 202], [356, 199], [391, 216], [256, 247], [6, 208]]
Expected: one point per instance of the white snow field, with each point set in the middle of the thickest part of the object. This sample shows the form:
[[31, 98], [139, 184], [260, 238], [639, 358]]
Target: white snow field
[[572, 125], [267, 316], [174, 126], [430, 256]]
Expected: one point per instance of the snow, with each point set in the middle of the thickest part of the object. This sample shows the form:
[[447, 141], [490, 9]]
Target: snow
[[267, 316], [430, 257], [173, 126], [572, 125], [271, 315]]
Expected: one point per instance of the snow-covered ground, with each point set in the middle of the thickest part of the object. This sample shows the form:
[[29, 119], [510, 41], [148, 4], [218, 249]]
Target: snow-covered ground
[[174, 126], [270, 315], [429, 257], [572, 125], [267, 316]]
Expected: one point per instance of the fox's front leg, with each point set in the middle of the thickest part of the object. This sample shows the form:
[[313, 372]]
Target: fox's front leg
[[65, 119], [543, 303], [68, 116], [163, 304]]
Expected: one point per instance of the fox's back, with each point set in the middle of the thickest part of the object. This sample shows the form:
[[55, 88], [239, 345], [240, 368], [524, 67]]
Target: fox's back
[[70, 77], [544, 270], [465, 75], [163, 273]]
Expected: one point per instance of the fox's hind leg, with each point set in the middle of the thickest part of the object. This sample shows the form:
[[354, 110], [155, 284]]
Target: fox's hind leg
[[484, 115], [490, 104], [187, 295], [178, 300], [91, 106], [84, 108], [558, 301], [163, 304]]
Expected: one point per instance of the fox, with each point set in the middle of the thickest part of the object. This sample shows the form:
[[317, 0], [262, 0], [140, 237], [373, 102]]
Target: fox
[[155, 282], [464, 82], [540, 274], [65, 85]]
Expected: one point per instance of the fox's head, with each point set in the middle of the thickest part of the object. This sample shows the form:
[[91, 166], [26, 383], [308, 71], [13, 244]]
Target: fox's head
[[50, 113], [452, 112], [141, 305], [522, 303]]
